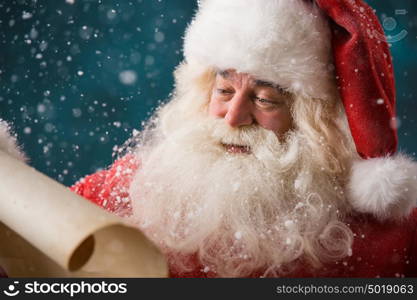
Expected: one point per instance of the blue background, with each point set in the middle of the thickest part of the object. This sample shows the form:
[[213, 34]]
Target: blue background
[[76, 79]]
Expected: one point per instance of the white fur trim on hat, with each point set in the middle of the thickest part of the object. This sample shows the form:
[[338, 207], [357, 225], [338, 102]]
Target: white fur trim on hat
[[287, 42], [385, 187], [8, 142]]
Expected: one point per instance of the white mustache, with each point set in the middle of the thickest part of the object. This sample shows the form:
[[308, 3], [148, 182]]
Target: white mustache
[[248, 136]]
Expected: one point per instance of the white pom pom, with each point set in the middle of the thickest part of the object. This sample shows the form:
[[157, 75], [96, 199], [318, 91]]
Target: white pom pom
[[385, 187]]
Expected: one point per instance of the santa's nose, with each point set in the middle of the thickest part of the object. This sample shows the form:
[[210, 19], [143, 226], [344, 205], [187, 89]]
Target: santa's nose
[[239, 111]]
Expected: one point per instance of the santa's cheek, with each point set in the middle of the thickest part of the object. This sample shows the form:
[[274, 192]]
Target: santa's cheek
[[277, 121], [215, 109]]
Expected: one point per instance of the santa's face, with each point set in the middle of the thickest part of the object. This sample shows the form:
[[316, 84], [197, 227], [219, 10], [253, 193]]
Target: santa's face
[[241, 100], [238, 211], [226, 175]]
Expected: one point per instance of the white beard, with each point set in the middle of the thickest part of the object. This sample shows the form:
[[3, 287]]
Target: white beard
[[239, 212]]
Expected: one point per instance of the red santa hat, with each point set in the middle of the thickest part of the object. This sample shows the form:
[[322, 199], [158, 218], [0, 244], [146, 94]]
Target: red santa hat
[[319, 49]]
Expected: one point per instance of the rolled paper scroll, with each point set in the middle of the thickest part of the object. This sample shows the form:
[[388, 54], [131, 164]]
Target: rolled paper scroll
[[46, 230]]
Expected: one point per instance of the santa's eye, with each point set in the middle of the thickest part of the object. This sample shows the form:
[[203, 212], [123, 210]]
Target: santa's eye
[[224, 91], [266, 103]]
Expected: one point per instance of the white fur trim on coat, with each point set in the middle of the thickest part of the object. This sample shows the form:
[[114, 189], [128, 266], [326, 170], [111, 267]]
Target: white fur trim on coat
[[8, 142], [385, 187], [287, 42]]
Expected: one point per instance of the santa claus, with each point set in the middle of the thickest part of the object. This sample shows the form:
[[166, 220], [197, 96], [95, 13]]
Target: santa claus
[[276, 154]]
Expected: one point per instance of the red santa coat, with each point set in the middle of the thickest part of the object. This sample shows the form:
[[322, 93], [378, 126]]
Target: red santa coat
[[387, 249]]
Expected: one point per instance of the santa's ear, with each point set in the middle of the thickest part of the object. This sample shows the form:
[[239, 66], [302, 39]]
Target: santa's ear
[[384, 187], [8, 143]]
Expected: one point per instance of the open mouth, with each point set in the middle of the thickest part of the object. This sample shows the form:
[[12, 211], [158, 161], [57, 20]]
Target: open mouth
[[231, 148]]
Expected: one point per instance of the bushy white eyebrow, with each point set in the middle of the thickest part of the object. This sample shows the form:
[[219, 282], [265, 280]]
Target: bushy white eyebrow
[[226, 74]]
